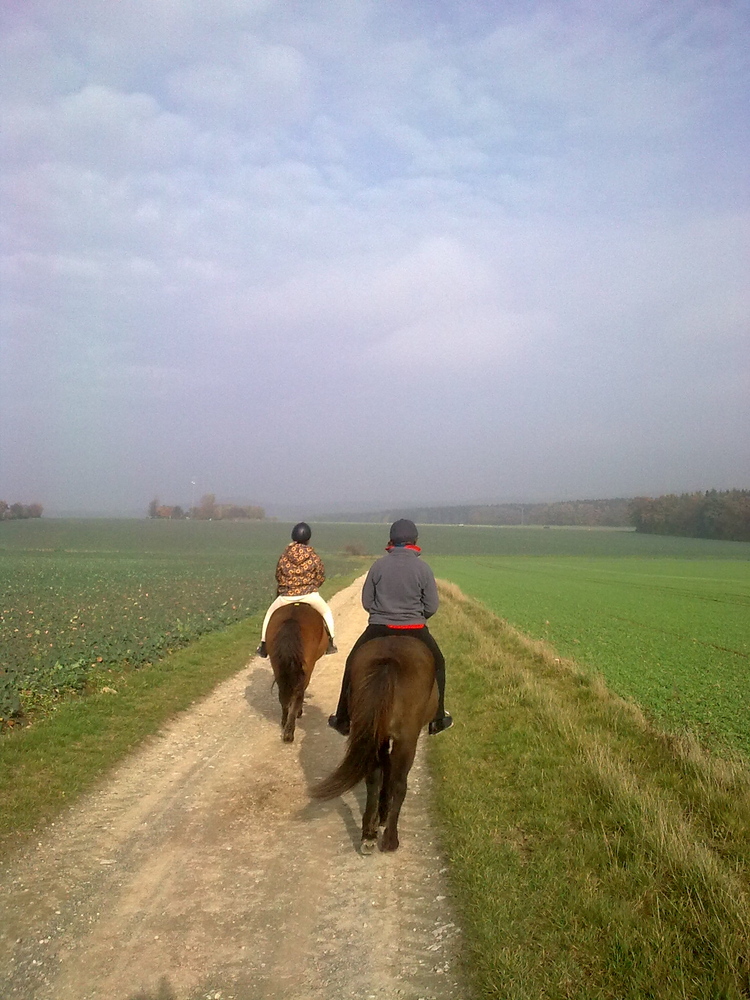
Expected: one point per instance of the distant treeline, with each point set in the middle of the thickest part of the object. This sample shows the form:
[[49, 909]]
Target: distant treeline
[[19, 511], [206, 510], [584, 513], [696, 515]]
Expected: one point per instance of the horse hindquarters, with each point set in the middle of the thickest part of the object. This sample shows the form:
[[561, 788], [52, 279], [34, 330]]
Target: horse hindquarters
[[415, 702], [371, 699], [391, 696]]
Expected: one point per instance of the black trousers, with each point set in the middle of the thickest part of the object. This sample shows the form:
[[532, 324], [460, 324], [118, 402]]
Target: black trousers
[[383, 631]]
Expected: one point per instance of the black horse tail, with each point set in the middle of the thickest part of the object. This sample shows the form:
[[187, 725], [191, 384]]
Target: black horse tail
[[370, 717], [289, 656]]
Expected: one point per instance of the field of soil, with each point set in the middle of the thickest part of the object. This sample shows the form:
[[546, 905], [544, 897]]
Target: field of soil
[[201, 869]]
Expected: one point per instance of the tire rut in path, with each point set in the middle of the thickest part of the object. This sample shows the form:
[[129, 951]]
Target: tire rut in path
[[201, 869]]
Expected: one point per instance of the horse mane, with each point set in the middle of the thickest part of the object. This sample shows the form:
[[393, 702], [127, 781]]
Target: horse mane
[[371, 714]]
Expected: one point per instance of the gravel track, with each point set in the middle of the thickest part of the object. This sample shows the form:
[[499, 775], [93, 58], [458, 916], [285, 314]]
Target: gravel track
[[201, 869]]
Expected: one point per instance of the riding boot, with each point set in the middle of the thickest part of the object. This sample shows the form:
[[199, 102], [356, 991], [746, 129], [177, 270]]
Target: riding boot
[[442, 720], [261, 650], [340, 721], [332, 648]]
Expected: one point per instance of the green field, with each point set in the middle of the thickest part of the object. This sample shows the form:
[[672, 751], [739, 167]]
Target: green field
[[669, 633], [80, 599], [665, 620], [593, 857]]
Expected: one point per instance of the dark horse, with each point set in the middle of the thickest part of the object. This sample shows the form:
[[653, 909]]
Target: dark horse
[[393, 695], [296, 639]]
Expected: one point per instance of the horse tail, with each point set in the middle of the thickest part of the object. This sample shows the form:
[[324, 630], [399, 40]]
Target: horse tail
[[370, 716], [290, 657]]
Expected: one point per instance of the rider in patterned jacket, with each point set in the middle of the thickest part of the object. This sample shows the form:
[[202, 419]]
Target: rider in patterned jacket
[[299, 574], [400, 594]]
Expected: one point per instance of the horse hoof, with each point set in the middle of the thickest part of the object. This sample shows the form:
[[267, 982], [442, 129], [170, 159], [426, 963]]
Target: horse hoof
[[389, 845], [287, 737], [368, 846]]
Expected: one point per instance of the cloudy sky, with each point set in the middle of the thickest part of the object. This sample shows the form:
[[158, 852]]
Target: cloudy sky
[[362, 253]]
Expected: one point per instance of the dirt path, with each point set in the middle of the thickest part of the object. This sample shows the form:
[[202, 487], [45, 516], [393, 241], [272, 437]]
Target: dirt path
[[202, 870]]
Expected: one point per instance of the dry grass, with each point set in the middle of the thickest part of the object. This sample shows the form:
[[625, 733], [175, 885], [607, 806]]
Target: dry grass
[[593, 855]]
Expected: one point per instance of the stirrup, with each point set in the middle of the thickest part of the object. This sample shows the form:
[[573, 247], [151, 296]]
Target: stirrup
[[440, 725]]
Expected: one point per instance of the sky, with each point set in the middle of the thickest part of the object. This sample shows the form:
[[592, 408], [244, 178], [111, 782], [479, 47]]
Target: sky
[[355, 254]]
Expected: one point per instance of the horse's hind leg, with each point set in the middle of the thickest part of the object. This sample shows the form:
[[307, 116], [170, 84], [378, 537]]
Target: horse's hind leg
[[370, 818], [385, 785], [292, 712], [402, 758]]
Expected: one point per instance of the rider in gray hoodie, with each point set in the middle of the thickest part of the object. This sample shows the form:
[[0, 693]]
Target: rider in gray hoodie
[[400, 594]]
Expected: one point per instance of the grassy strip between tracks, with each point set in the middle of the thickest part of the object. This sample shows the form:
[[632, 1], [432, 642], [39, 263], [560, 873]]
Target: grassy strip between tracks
[[592, 856], [46, 766]]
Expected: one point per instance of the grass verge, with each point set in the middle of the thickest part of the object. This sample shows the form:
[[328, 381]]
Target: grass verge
[[592, 856]]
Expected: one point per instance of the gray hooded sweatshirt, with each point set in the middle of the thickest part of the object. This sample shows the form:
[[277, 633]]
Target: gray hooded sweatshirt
[[400, 589]]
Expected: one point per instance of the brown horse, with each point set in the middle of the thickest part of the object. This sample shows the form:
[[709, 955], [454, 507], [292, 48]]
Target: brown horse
[[393, 695], [296, 638]]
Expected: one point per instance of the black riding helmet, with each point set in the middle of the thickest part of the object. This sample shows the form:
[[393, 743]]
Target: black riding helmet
[[404, 532], [301, 533]]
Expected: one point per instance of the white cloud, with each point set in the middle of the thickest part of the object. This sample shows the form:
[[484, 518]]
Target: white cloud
[[464, 338], [200, 191], [31, 69], [99, 128], [261, 84]]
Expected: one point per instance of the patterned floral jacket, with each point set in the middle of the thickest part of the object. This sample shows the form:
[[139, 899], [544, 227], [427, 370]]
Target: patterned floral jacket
[[299, 570]]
